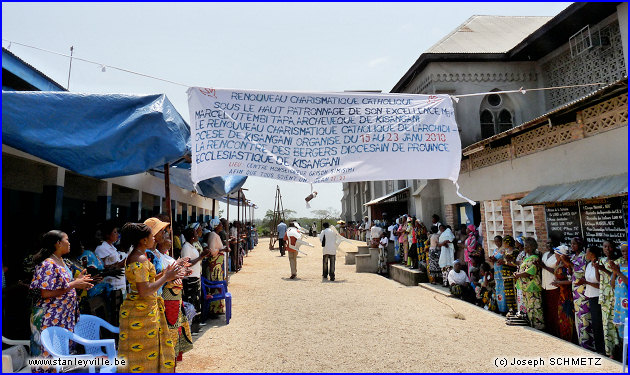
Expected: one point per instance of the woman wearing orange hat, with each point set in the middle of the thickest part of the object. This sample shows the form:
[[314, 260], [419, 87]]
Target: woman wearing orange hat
[[143, 339], [171, 292]]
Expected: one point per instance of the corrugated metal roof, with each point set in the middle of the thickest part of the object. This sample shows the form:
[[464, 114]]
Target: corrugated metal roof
[[21, 73], [488, 34], [378, 200], [603, 187]]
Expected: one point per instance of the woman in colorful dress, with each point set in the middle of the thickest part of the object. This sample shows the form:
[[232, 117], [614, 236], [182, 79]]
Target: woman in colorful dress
[[498, 260], [176, 318], [519, 244], [529, 282], [471, 246], [403, 239], [144, 341], [57, 305], [434, 256], [171, 293], [620, 279], [577, 266], [214, 270], [507, 270], [423, 253], [607, 296], [564, 296]]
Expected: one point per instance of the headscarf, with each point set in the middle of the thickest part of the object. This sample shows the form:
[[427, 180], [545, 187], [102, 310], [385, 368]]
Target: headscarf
[[471, 243], [214, 223], [561, 250], [509, 240]]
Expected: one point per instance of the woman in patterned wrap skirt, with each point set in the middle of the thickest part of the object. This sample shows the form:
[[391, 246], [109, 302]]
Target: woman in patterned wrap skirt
[[144, 339]]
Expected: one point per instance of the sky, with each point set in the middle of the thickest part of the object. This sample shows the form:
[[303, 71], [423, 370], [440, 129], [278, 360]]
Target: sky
[[260, 46]]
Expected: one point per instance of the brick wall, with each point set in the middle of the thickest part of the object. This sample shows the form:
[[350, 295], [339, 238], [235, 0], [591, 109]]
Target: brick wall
[[540, 224], [450, 214]]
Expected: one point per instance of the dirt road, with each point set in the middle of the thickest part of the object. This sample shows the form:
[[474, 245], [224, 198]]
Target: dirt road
[[362, 323]]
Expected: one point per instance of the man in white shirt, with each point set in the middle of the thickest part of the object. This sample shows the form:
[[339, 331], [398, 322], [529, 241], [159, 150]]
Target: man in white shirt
[[291, 237], [459, 283], [375, 234], [111, 257], [328, 237], [192, 282]]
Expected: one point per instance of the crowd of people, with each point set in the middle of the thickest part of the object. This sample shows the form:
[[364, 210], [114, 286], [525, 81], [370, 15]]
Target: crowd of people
[[139, 278], [572, 291]]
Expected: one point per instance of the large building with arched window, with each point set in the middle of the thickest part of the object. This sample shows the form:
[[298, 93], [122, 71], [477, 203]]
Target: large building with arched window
[[525, 150]]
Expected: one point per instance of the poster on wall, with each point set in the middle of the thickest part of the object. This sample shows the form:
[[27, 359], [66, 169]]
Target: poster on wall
[[564, 218], [322, 137], [604, 219]]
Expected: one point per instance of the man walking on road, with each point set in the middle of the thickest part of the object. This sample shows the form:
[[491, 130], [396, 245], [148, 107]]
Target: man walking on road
[[329, 244], [282, 230], [291, 237]]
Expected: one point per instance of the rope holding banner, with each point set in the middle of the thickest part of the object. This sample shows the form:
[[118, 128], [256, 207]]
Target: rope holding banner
[[461, 196]]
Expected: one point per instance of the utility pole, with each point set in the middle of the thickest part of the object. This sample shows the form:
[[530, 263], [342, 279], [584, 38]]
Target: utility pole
[[70, 69]]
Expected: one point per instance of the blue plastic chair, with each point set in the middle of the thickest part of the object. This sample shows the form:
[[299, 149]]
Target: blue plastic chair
[[206, 285], [56, 341], [89, 328], [625, 346]]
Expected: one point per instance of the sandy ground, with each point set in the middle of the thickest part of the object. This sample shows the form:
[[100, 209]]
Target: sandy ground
[[363, 323]]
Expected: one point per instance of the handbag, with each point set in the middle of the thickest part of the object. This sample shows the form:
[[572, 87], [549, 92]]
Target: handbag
[[324, 241]]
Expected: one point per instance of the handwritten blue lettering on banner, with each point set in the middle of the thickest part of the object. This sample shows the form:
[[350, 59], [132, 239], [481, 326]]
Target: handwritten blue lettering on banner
[[316, 137]]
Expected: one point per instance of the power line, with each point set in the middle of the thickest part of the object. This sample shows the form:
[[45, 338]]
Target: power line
[[103, 66], [455, 97]]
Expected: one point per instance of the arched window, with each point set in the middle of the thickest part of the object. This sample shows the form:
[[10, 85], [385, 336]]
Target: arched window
[[496, 114], [505, 120], [487, 124]]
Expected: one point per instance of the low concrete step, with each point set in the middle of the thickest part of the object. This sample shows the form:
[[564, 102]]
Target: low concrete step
[[363, 249], [364, 263], [407, 276], [350, 257], [436, 288], [374, 254]]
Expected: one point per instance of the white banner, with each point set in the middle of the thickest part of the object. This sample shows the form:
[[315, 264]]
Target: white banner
[[322, 137]]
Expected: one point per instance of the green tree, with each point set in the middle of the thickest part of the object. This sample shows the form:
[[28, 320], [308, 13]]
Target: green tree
[[329, 213]]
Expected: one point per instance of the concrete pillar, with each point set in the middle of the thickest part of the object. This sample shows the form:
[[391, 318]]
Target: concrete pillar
[[104, 200], [157, 205], [185, 214], [135, 206], [175, 210], [52, 196]]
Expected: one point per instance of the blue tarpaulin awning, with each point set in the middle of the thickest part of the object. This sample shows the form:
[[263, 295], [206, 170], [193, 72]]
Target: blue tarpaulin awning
[[106, 135], [96, 135], [216, 188]]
